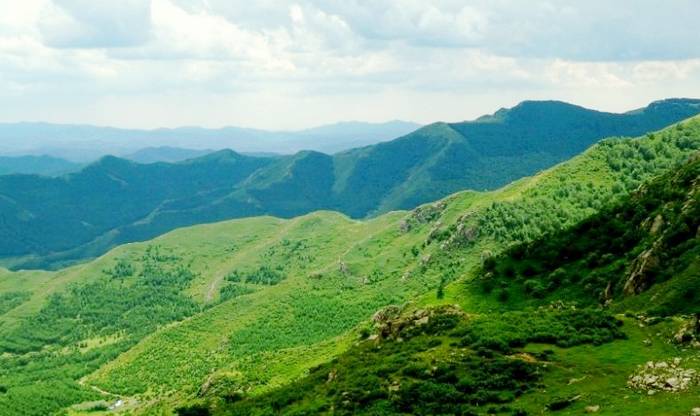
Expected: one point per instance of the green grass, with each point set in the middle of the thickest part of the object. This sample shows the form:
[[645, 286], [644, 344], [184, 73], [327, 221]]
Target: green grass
[[603, 372]]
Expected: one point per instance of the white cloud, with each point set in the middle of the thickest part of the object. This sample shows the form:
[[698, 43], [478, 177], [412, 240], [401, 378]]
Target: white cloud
[[267, 62], [95, 23]]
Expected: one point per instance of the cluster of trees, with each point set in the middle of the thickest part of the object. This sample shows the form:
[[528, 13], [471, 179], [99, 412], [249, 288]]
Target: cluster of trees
[[263, 275], [10, 300], [231, 291], [83, 327]]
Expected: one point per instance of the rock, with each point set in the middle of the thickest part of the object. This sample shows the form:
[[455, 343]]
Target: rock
[[656, 225], [638, 280], [592, 409], [404, 226], [332, 375], [390, 323], [607, 293], [422, 321], [470, 234], [689, 332], [576, 380], [387, 313], [662, 376], [695, 412], [673, 382]]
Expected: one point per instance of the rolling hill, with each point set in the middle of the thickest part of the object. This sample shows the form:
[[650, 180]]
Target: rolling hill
[[219, 313], [71, 218]]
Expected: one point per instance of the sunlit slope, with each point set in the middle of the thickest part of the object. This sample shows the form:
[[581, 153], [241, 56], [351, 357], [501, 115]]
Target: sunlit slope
[[321, 301], [253, 303]]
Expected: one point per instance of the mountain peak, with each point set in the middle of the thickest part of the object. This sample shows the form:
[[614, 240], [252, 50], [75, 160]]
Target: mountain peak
[[223, 155]]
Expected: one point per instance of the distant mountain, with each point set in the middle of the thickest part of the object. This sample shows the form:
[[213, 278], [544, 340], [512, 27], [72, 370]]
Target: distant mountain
[[87, 143], [490, 152], [38, 165], [337, 137], [165, 154], [115, 201]]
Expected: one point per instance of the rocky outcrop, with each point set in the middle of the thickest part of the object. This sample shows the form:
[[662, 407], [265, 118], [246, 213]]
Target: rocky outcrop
[[689, 332], [390, 323], [641, 276], [662, 376], [422, 215]]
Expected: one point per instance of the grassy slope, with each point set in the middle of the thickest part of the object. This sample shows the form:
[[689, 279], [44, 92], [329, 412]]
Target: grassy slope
[[343, 272], [590, 167], [596, 375]]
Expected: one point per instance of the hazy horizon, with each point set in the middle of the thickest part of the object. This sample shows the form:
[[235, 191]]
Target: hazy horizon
[[290, 65]]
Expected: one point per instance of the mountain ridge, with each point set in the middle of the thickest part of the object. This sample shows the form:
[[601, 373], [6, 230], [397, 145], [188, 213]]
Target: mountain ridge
[[428, 164], [84, 142]]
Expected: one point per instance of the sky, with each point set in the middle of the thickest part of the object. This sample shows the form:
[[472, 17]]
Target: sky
[[278, 64]]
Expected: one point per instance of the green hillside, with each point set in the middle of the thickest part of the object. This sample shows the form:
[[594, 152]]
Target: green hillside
[[641, 254], [53, 222], [244, 306], [554, 349]]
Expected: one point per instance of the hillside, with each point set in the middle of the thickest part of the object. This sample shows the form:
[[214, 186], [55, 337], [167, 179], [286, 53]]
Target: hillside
[[43, 215], [244, 306], [640, 255], [428, 164]]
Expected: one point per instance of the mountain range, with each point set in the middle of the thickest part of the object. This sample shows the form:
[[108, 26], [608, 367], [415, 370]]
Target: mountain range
[[50, 222], [552, 294], [39, 165], [86, 143]]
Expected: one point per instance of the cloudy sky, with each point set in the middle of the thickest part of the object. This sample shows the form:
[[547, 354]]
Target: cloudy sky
[[280, 64]]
